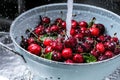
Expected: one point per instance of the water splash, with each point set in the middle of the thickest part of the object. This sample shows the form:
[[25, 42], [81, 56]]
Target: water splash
[[69, 16]]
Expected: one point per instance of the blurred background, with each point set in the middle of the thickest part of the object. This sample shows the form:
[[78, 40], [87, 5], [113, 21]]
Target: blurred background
[[10, 9]]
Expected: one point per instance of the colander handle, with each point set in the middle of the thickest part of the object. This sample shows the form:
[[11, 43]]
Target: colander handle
[[10, 49]]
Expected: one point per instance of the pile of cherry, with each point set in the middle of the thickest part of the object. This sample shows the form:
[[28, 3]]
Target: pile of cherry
[[87, 41]]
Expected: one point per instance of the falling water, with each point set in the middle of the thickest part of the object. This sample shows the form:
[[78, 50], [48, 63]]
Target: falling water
[[69, 16]]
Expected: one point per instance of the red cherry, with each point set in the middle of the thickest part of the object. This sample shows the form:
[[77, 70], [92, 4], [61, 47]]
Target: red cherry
[[79, 49], [74, 24], [94, 31], [39, 30], [47, 42], [48, 49], [34, 49], [47, 30], [79, 36], [58, 46], [46, 20], [101, 38], [109, 54], [78, 58], [73, 32], [110, 45], [67, 53], [30, 40], [69, 61], [56, 56], [94, 53], [83, 24], [89, 40], [103, 57], [115, 39], [100, 47], [83, 29], [58, 20], [101, 28], [54, 28], [63, 25], [71, 42]]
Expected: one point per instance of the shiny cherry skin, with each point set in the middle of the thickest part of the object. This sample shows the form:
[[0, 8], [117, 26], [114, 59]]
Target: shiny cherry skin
[[34, 49], [83, 24], [78, 58], [67, 53]]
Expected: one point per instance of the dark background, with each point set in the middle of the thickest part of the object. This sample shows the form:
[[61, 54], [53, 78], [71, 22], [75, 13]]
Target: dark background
[[10, 9]]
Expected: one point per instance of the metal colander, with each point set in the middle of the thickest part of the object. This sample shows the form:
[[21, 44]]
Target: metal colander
[[60, 71]]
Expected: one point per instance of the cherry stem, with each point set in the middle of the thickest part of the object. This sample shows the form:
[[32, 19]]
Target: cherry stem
[[91, 22], [32, 33]]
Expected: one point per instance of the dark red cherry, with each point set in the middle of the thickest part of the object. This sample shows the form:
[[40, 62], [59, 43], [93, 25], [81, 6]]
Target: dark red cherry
[[56, 56], [70, 42], [46, 20], [83, 24], [109, 54], [74, 24], [63, 25], [39, 30], [54, 28]]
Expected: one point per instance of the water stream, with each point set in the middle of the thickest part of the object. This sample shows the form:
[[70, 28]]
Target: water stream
[[69, 16]]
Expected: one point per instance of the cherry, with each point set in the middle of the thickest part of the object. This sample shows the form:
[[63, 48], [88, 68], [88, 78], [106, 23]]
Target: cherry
[[101, 28], [59, 20], [78, 58], [47, 30], [73, 32], [83, 24], [63, 25], [115, 39], [94, 52], [67, 53], [100, 47], [89, 40], [46, 20], [48, 49], [79, 49], [57, 46], [47, 42], [101, 38], [117, 51], [109, 54], [70, 42], [30, 40], [82, 30], [74, 24], [56, 56], [34, 49], [39, 30], [87, 47], [102, 57], [54, 28], [79, 36], [109, 45], [69, 61], [94, 31], [24, 43]]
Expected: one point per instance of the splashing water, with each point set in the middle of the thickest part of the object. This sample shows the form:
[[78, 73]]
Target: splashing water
[[69, 16]]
